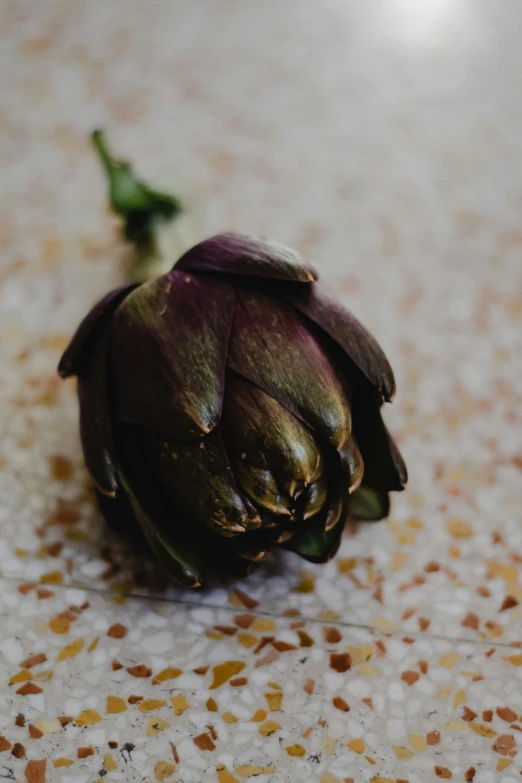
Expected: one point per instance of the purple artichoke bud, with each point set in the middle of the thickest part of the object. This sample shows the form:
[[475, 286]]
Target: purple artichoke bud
[[232, 406]]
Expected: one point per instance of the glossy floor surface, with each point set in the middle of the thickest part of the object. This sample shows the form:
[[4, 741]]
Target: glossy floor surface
[[384, 141]]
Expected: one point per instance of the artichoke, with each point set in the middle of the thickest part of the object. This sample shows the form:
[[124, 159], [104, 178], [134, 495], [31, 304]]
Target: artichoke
[[232, 406]]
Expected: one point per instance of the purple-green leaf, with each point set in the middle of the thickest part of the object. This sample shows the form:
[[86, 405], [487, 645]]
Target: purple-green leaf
[[95, 418], [321, 307], [369, 505], [238, 254], [197, 479], [272, 347], [169, 342], [352, 463], [317, 545], [384, 467], [96, 319], [275, 457]]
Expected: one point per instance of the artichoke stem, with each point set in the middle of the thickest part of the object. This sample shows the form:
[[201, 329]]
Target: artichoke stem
[[150, 218], [171, 240], [100, 146]]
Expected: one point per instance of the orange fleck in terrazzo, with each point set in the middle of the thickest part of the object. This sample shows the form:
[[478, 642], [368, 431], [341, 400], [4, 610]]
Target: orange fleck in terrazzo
[[84, 752], [240, 598], [283, 646], [163, 769], [410, 677], [88, 718], [117, 631], [340, 662], [296, 750], [238, 682], [35, 771], [505, 745], [62, 762], [204, 742], [244, 620], [151, 704], [71, 650], [471, 620], [467, 714], [33, 660], [274, 701], [35, 732], [30, 688], [332, 635], [140, 671], [506, 714], [179, 704], [269, 727], [305, 640]]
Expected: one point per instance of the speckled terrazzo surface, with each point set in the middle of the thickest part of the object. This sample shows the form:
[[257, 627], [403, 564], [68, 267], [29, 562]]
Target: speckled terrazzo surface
[[383, 140]]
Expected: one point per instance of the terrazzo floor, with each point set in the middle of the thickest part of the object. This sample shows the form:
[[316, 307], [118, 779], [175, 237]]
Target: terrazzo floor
[[383, 140]]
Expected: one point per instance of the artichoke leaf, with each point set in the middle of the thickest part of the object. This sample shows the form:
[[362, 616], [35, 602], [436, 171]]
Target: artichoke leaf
[[78, 351], [316, 545], [320, 306], [238, 254], [95, 419], [273, 348], [369, 505], [183, 562], [169, 341], [384, 467]]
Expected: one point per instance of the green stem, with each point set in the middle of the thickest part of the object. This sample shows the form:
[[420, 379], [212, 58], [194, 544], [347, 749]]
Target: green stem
[[148, 215], [102, 150]]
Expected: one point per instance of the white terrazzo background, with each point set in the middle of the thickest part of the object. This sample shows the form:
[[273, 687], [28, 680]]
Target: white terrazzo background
[[383, 140]]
